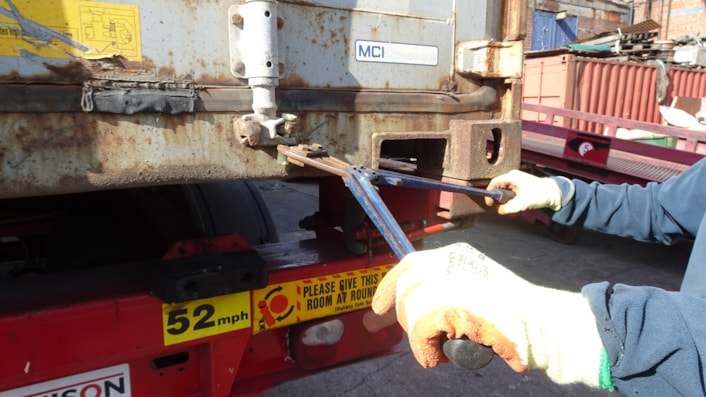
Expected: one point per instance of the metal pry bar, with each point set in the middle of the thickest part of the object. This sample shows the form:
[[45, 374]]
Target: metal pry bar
[[383, 177], [463, 352], [360, 181], [360, 185]]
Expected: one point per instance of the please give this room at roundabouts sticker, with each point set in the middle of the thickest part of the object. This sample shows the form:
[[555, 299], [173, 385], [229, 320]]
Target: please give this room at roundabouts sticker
[[288, 303]]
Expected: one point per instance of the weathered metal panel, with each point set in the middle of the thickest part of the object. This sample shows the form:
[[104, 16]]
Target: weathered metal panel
[[53, 52], [620, 89], [72, 40], [546, 81], [189, 41], [326, 45], [93, 151]]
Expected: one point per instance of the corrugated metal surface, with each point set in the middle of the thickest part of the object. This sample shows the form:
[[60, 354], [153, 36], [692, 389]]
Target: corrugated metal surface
[[644, 26], [621, 89], [545, 82]]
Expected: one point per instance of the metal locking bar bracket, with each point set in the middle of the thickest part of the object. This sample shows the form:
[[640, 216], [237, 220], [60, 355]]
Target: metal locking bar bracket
[[361, 180], [462, 352], [256, 54]]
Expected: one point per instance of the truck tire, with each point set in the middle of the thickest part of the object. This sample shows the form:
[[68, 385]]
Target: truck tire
[[119, 226], [225, 208]]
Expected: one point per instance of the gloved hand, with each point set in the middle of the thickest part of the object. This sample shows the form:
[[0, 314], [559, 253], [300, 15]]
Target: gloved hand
[[457, 291], [531, 192]]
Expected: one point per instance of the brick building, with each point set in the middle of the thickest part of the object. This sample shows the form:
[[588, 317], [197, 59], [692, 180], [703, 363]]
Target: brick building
[[677, 17]]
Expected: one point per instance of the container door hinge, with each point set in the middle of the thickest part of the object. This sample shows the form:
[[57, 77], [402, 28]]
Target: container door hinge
[[257, 55]]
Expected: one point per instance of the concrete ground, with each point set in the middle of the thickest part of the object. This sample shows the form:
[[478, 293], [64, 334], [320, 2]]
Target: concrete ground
[[512, 241]]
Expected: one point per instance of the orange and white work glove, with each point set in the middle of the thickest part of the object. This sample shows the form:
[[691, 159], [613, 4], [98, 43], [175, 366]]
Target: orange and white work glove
[[457, 291], [531, 192]]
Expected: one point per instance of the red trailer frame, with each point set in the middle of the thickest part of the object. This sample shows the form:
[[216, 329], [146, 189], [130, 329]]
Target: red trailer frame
[[548, 149], [125, 330]]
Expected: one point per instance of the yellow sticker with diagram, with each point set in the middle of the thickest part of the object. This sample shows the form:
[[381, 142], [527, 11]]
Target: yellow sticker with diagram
[[284, 304], [69, 28], [182, 322]]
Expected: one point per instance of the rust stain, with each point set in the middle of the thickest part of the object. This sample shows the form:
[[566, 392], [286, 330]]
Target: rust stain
[[83, 69], [121, 64], [448, 84], [293, 80], [72, 72], [76, 151], [33, 134], [146, 64], [221, 80], [166, 71]]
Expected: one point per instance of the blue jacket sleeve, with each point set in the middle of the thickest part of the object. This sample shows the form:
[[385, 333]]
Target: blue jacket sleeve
[[655, 339], [656, 212]]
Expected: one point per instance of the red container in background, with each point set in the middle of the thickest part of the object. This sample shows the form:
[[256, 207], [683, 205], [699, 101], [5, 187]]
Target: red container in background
[[612, 88]]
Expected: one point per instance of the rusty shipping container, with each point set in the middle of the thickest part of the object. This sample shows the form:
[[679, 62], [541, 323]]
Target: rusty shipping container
[[628, 90], [107, 94]]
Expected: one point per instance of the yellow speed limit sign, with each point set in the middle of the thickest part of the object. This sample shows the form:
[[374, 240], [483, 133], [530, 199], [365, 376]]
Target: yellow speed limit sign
[[200, 318]]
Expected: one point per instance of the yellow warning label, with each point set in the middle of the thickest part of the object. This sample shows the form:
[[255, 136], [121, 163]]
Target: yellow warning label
[[292, 302], [205, 317], [69, 28]]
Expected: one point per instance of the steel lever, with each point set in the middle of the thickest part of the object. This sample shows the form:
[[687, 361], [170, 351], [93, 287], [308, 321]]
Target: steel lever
[[383, 177], [464, 353]]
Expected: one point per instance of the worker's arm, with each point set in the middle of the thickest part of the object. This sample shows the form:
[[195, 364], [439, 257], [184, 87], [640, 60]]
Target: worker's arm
[[456, 291], [657, 212], [655, 339]]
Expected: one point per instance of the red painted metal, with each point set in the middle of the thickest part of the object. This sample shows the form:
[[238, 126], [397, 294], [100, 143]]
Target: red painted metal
[[102, 328], [628, 161], [689, 139]]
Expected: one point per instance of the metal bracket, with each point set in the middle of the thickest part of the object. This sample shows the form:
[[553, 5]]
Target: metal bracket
[[361, 180], [208, 267], [257, 54], [490, 59]]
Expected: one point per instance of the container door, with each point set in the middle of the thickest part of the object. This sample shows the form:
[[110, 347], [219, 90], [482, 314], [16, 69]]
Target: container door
[[548, 32]]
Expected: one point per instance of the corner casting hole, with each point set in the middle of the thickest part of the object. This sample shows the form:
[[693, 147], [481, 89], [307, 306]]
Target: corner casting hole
[[267, 14], [494, 143]]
